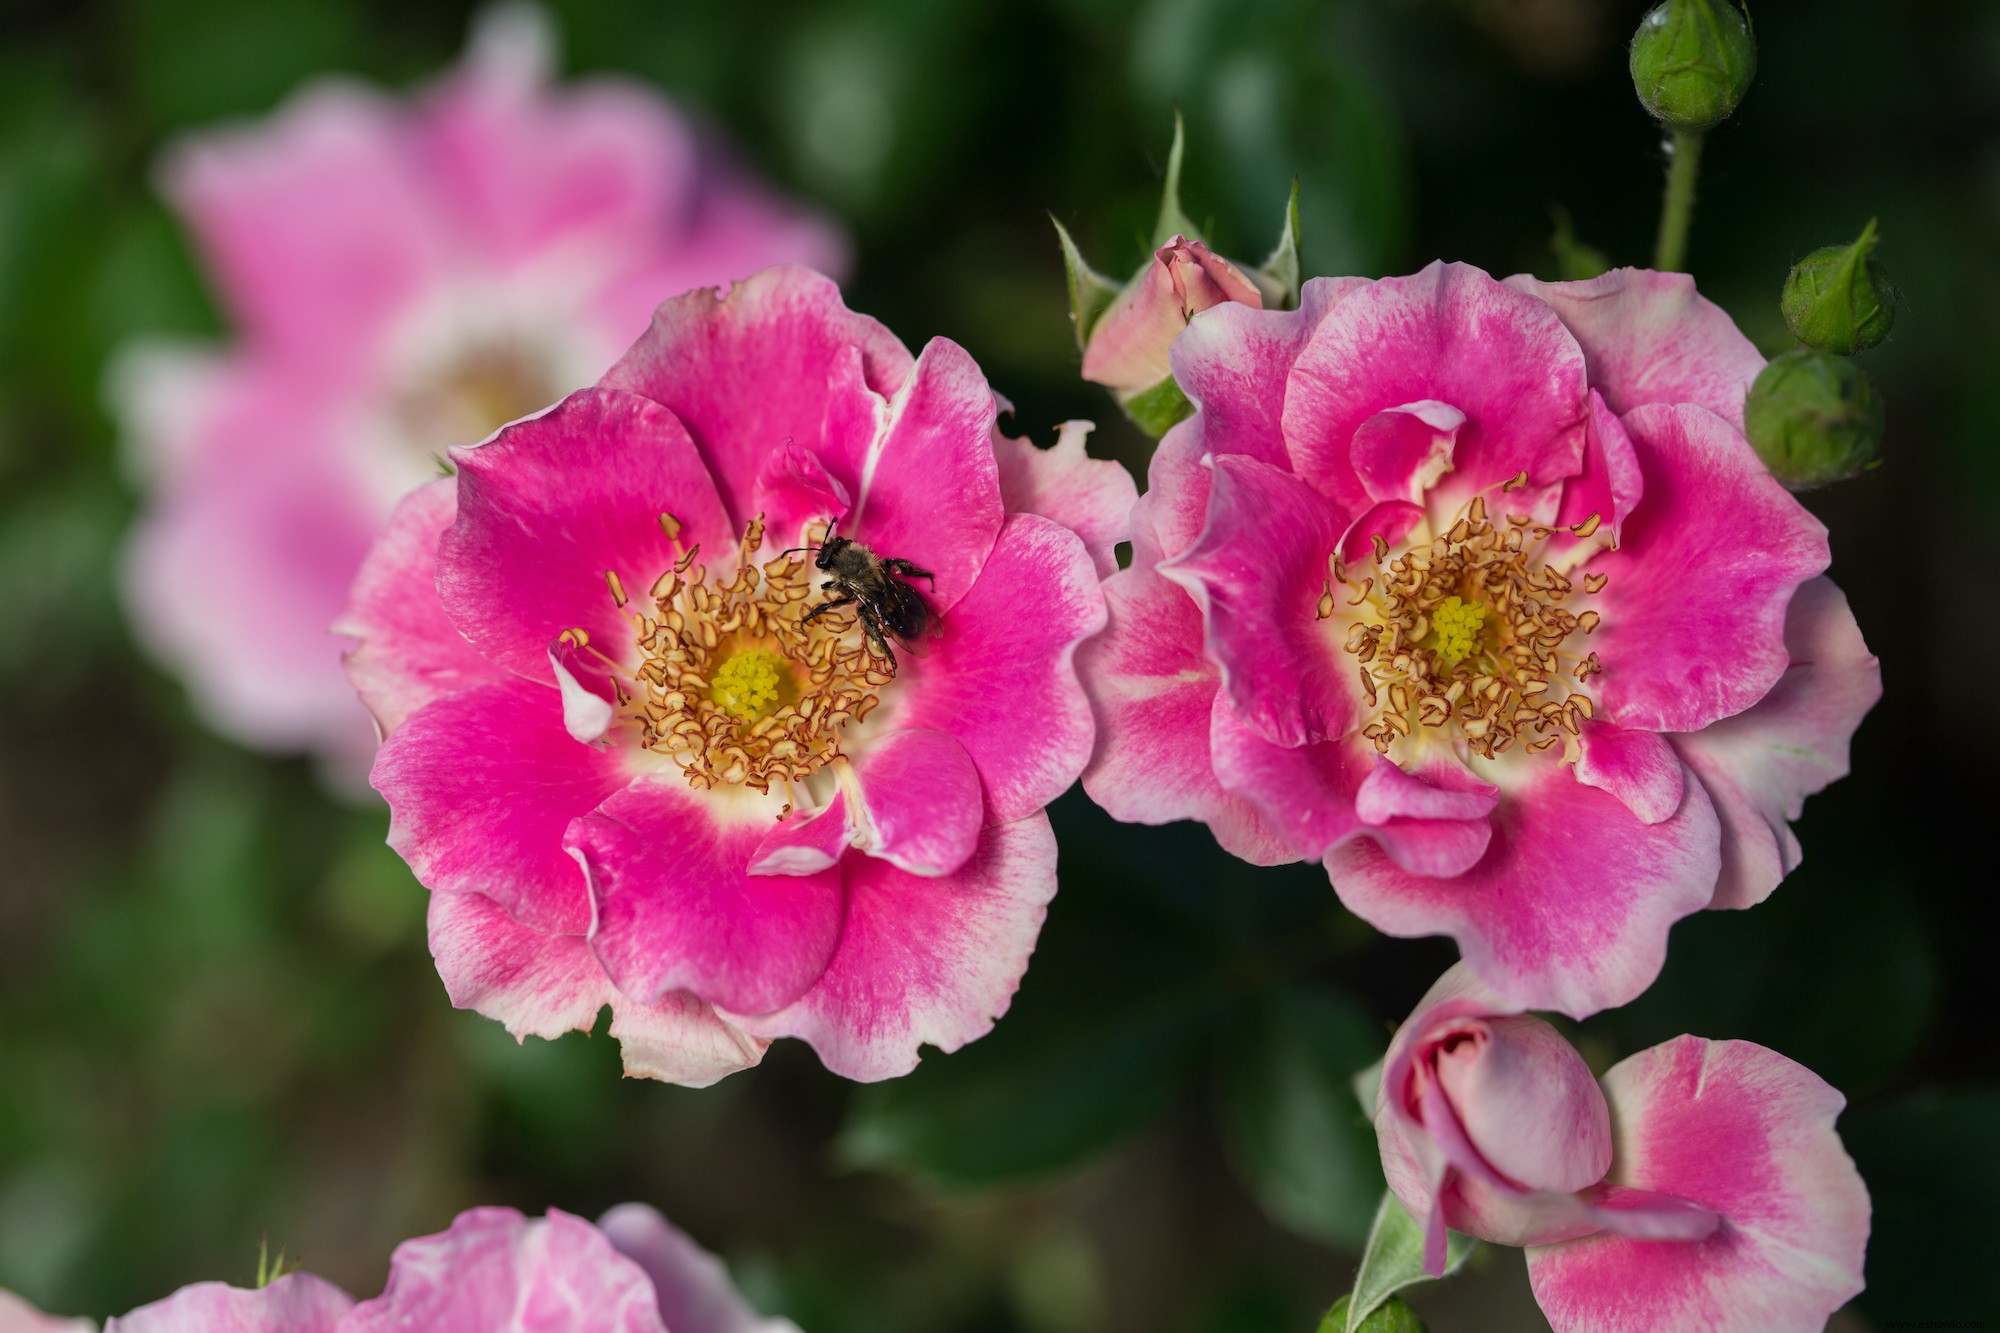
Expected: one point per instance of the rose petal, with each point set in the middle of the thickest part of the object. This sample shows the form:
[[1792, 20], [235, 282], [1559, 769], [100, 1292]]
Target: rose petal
[[692, 1285], [295, 1303], [1637, 767], [1400, 453], [919, 807], [1092, 497], [805, 842]]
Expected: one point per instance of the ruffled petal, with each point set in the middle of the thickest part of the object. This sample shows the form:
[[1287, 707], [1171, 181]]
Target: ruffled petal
[[1092, 497], [1450, 334], [1637, 767], [1570, 906], [409, 651], [550, 504], [1001, 678], [1257, 572], [1400, 453], [481, 786], [1650, 338], [1748, 1133], [495, 1269], [295, 1303], [692, 1285], [746, 368], [919, 806], [1694, 613], [925, 960], [678, 909], [805, 842], [1153, 692], [1760, 765], [543, 985]]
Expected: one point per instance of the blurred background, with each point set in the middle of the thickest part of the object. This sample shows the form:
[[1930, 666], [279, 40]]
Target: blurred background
[[218, 1019]]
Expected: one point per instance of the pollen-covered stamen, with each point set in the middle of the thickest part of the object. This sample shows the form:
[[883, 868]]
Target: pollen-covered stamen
[[1471, 627], [735, 686]]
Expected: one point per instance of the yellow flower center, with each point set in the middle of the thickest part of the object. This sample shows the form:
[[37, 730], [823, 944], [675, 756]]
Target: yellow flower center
[[751, 684], [1472, 628]]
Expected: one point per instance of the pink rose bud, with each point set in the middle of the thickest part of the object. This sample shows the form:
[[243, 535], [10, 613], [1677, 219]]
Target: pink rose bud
[[1127, 351]]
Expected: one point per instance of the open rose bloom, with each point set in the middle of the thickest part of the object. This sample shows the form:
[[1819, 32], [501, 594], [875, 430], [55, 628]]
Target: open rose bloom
[[1475, 592], [403, 277], [631, 1273], [638, 768], [1700, 1185]]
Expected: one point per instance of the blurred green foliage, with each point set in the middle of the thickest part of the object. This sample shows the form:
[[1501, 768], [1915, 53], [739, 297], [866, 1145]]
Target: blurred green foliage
[[217, 1016]]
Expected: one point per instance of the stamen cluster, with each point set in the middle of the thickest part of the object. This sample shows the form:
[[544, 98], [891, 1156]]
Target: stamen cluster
[[697, 629], [1470, 627]]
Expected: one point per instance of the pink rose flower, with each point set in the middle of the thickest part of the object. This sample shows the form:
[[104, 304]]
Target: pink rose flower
[[1475, 592], [17, 1316], [403, 276], [1699, 1185], [631, 1273], [637, 771], [1127, 349]]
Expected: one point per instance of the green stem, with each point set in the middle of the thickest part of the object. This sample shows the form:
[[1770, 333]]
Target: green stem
[[1670, 256]]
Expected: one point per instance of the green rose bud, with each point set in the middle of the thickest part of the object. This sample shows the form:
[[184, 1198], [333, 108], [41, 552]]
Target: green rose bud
[[1391, 1316], [1692, 61], [1840, 298], [1813, 418]]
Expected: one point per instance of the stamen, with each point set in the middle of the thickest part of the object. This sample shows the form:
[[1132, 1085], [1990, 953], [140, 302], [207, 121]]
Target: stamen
[[617, 588]]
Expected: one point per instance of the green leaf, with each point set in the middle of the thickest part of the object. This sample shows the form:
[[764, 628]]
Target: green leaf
[[1278, 277], [1394, 1260], [1090, 292], [1158, 409], [1173, 221], [1392, 1316], [1294, 1130]]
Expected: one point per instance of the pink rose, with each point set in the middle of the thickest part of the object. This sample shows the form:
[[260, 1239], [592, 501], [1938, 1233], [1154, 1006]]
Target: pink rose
[[403, 277], [1475, 592], [1700, 1185], [1127, 348], [631, 1273], [17, 1316], [640, 766]]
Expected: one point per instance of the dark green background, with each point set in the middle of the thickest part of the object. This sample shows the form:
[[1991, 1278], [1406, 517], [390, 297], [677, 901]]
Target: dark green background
[[217, 1017]]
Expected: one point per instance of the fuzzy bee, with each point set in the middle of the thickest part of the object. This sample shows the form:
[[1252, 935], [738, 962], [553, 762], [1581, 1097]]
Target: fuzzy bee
[[873, 585]]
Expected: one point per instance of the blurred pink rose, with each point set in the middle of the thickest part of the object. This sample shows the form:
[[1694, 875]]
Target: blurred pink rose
[[1700, 1185], [403, 276], [1474, 592], [17, 1316], [631, 1273]]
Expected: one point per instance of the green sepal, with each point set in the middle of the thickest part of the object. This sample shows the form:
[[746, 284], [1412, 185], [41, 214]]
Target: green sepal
[[1392, 1316], [1158, 409], [1173, 222], [1090, 292], [1576, 261], [1278, 277], [1394, 1260]]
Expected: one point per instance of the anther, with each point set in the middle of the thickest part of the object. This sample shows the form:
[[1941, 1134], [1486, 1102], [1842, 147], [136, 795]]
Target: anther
[[1587, 527], [617, 588], [1595, 582]]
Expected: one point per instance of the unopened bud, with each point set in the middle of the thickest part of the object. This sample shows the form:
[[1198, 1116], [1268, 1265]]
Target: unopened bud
[[1813, 418], [1391, 1316], [1840, 298], [1692, 61]]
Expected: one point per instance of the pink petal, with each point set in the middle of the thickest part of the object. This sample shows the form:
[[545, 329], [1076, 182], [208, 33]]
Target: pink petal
[[1568, 909], [1153, 692], [549, 504], [1450, 334], [1000, 676], [1128, 347], [543, 985], [1760, 765], [692, 1285], [677, 908], [1694, 613], [805, 842], [481, 786], [920, 807], [317, 224], [1748, 1133], [925, 960], [1649, 338], [1528, 1103], [1400, 453], [1391, 520], [794, 489], [1637, 767], [295, 1303], [1092, 497], [1610, 485], [1234, 362], [925, 485], [1257, 572], [17, 1316], [409, 652], [589, 697], [1443, 789], [747, 368], [495, 1269]]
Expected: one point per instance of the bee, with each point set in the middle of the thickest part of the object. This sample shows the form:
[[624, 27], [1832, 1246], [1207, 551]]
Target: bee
[[874, 586]]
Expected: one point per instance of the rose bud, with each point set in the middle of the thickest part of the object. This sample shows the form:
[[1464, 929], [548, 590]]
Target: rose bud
[[1839, 298], [1692, 61], [1814, 418]]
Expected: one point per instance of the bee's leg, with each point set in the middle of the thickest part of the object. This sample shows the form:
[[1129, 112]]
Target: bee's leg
[[909, 571], [814, 614], [872, 627]]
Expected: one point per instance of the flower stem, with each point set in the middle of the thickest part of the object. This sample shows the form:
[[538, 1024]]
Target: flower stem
[[1677, 214]]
